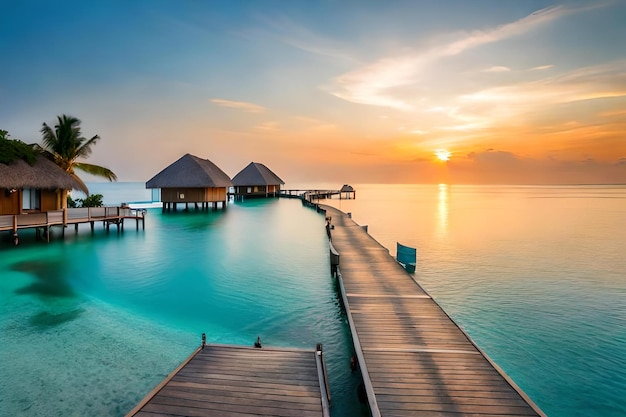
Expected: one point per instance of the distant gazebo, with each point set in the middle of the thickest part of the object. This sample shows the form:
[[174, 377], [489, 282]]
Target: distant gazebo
[[256, 180], [347, 192], [191, 180]]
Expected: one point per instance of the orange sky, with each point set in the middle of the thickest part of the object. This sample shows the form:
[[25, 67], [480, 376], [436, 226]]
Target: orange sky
[[519, 92]]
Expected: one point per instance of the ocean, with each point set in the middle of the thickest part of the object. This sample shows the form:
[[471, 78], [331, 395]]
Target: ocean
[[534, 274], [92, 322]]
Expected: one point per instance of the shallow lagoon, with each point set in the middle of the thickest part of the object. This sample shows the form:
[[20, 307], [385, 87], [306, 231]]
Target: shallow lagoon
[[91, 323]]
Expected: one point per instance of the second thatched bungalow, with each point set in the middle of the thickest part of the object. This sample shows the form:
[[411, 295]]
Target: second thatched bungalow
[[256, 180], [191, 180]]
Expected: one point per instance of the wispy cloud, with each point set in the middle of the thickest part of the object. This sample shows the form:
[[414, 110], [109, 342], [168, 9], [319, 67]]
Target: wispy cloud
[[498, 68], [285, 30], [593, 82], [542, 68], [239, 105], [372, 84], [267, 126]]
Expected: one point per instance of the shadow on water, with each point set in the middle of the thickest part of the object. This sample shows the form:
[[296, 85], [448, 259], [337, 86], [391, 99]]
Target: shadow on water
[[50, 280], [45, 319]]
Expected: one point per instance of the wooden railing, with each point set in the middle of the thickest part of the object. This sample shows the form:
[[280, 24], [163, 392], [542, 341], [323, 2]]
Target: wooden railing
[[67, 216]]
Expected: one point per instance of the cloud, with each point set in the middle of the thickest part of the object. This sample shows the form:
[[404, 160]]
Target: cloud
[[267, 126], [499, 166], [239, 105], [373, 83], [599, 81], [494, 158], [542, 68], [283, 29], [498, 68]]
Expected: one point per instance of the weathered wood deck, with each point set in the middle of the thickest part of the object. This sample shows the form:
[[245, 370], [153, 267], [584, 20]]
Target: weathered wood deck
[[230, 381], [414, 359]]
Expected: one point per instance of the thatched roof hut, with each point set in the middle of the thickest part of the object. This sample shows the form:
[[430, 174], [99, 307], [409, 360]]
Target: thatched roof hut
[[191, 180], [190, 171], [347, 192], [43, 175], [39, 187], [256, 174], [346, 188], [256, 180]]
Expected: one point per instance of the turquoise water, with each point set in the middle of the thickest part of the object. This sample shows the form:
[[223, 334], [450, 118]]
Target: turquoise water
[[91, 323], [535, 275]]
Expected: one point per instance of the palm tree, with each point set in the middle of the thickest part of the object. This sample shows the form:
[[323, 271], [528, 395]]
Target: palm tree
[[64, 145]]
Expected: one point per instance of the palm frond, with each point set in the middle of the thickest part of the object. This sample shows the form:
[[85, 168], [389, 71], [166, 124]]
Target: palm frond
[[64, 145], [83, 186], [96, 170], [84, 150]]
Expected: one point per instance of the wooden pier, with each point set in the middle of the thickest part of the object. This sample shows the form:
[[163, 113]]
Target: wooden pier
[[311, 195], [231, 381], [43, 221], [414, 359]]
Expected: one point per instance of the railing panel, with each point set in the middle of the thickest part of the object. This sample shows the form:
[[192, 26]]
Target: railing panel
[[55, 216], [97, 211], [31, 219], [110, 211], [77, 213], [6, 222]]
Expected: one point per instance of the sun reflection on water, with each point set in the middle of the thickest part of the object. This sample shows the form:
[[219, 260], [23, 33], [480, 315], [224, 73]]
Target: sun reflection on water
[[442, 210]]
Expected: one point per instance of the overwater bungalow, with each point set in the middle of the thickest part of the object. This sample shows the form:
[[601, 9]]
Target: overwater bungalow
[[191, 180], [36, 188], [256, 180], [35, 197]]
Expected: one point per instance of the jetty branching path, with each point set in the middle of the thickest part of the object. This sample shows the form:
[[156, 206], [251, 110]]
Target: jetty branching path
[[239, 381], [414, 359]]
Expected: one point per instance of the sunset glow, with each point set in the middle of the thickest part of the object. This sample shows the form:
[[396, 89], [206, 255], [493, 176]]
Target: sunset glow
[[335, 93], [442, 154]]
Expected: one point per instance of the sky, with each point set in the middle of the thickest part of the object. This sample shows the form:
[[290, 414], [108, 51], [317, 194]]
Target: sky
[[336, 91]]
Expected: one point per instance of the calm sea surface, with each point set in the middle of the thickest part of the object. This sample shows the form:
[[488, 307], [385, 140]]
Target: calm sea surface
[[535, 275], [90, 324]]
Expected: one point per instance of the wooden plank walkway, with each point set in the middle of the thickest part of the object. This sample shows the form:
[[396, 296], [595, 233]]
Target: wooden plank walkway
[[231, 381], [414, 359], [65, 217]]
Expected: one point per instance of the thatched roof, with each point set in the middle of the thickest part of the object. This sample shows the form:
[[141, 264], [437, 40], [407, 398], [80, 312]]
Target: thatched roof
[[256, 174], [190, 172], [346, 188], [43, 175]]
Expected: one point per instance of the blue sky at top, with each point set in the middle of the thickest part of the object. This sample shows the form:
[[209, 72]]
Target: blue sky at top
[[365, 91]]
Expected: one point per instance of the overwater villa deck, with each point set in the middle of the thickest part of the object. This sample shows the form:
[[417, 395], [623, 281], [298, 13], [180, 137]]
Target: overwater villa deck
[[231, 381], [414, 359], [43, 221]]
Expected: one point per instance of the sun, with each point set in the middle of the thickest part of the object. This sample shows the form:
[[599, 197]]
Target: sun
[[442, 154]]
